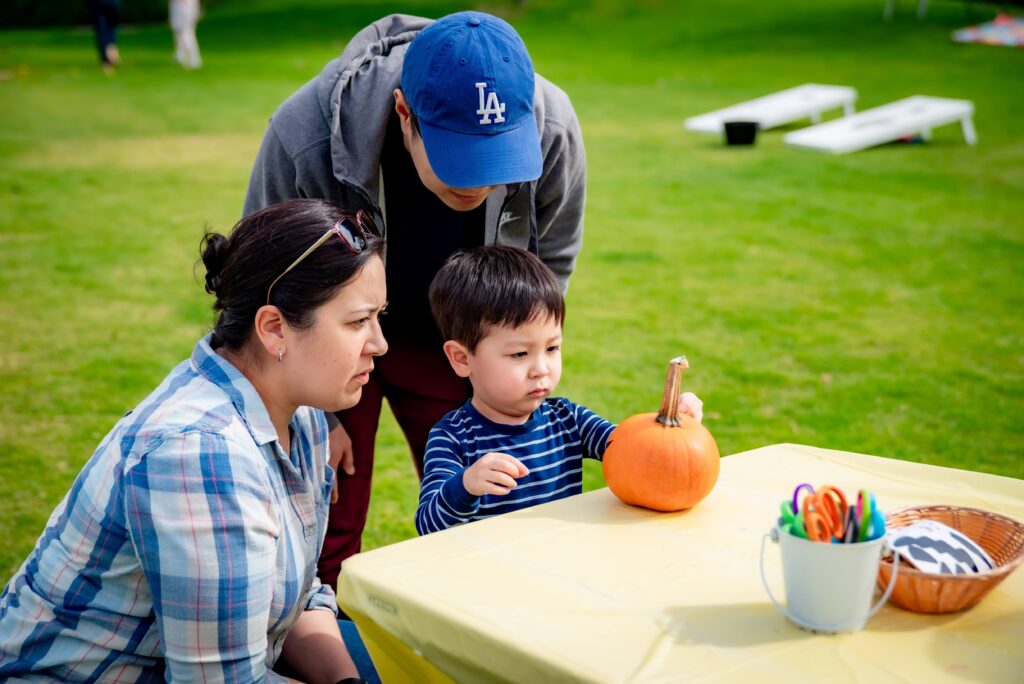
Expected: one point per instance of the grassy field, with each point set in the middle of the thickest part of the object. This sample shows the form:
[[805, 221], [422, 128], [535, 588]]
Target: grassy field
[[869, 302]]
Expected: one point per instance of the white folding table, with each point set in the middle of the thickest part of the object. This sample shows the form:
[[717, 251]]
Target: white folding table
[[916, 115], [778, 109]]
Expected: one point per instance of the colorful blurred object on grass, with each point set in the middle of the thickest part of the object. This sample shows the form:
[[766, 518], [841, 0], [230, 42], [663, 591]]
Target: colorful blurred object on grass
[[1003, 30]]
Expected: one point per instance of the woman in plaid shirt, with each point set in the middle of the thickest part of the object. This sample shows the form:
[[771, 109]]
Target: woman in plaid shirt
[[187, 546]]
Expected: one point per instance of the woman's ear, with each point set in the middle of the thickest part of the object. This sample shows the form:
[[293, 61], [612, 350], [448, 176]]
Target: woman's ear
[[270, 329], [458, 357]]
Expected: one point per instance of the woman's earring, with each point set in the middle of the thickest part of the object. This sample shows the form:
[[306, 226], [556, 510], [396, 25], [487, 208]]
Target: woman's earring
[[280, 355]]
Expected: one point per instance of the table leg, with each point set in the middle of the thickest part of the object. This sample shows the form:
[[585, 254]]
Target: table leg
[[967, 125]]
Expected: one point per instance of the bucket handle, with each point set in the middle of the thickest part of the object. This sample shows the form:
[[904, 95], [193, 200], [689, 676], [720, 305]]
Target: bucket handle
[[774, 536]]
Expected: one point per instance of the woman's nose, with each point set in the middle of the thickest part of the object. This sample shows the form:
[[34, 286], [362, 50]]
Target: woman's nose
[[377, 345]]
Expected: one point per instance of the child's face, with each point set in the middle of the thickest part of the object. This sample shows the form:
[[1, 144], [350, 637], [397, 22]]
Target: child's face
[[514, 369]]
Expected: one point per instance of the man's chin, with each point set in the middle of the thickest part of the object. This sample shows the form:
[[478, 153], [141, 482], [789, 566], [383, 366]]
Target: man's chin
[[463, 204]]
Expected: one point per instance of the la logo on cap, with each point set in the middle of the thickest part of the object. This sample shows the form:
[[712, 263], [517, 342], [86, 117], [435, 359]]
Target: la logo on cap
[[492, 107]]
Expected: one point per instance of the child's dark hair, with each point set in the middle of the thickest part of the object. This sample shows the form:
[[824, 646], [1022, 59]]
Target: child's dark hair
[[492, 286], [241, 267]]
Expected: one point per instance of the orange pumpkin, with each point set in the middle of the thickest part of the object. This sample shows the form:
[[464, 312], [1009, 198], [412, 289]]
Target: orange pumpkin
[[664, 461]]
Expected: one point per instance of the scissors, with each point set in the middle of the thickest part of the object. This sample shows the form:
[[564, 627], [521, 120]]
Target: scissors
[[826, 516], [852, 530], [825, 513], [792, 521], [821, 517], [871, 520], [796, 494]]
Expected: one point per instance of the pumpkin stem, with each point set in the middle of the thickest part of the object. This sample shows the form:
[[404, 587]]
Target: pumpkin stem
[[668, 415]]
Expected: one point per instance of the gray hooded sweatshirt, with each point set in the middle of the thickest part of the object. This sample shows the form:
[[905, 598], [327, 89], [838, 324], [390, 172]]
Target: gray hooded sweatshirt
[[325, 141]]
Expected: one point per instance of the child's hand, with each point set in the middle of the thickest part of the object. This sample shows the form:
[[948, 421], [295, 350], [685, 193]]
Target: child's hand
[[495, 473], [691, 405]]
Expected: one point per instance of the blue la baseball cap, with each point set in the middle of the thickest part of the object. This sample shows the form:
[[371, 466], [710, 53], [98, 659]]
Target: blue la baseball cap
[[469, 80]]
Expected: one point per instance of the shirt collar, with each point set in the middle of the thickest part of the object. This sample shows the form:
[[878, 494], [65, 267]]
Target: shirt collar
[[535, 419], [246, 400]]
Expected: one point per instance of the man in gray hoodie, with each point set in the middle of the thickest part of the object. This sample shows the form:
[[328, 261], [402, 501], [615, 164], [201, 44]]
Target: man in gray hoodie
[[446, 136]]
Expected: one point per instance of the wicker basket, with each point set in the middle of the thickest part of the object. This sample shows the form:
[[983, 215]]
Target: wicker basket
[[1001, 537]]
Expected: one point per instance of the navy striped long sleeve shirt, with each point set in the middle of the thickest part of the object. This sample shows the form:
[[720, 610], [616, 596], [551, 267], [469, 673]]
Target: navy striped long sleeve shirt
[[551, 444]]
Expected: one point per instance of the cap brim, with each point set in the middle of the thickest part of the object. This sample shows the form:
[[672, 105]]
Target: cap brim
[[476, 161]]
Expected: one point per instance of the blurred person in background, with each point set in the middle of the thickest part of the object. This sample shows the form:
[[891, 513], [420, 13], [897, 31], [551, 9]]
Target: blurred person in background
[[183, 16], [105, 15], [444, 133]]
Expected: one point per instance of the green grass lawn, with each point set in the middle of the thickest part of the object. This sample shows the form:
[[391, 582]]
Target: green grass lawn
[[869, 302]]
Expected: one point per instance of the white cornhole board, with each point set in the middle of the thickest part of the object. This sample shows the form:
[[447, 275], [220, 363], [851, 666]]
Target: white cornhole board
[[802, 102], [916, 115]]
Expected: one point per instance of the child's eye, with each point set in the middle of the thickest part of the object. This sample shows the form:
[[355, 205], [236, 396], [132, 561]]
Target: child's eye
[[554, 348], [518, 355]]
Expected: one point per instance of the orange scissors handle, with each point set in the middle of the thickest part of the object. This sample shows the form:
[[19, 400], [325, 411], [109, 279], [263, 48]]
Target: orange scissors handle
[[823, 514], [839, 497]]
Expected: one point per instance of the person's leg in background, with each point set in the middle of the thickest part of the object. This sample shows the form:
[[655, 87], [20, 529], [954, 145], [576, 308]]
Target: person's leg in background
[[347, 517], [112, 12], [104, 14], [420, 388], [192, 58], [99, 28], [183, 16]]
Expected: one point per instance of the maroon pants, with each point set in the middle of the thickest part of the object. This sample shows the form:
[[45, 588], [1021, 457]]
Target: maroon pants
[[420, 387]]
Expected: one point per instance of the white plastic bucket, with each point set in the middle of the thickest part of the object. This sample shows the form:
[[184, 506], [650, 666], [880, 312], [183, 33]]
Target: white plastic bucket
[[828, 586]]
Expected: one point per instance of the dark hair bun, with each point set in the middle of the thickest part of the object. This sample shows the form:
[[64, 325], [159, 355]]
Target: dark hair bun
[[214, 251]]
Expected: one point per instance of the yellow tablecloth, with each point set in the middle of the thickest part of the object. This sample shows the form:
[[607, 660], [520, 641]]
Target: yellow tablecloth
[[590, 589]]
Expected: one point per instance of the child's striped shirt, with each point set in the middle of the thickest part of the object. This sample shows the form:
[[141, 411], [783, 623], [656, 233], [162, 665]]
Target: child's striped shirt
[[551, 444]]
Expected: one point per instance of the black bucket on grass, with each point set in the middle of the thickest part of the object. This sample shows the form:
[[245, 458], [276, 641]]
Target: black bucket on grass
[[740, 132]]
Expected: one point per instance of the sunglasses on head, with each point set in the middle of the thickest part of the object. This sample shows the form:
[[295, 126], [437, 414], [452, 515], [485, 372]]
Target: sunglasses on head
[[353, 236]]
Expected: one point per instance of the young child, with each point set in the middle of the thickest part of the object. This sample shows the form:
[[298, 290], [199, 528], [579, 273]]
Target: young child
[[510, 446]]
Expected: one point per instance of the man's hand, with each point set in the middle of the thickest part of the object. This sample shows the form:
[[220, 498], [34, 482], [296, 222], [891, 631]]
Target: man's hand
[[340, 445], [691, 405], [495, 473]]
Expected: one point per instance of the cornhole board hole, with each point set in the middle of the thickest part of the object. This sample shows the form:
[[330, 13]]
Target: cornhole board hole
[[916, 115], [802, 102]]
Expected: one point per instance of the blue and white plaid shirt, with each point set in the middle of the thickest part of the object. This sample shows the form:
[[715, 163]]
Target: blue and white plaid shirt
[[186, 548]]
